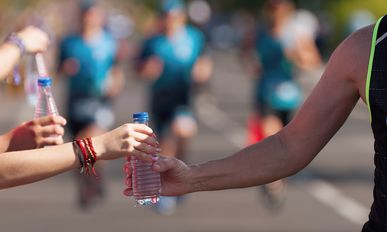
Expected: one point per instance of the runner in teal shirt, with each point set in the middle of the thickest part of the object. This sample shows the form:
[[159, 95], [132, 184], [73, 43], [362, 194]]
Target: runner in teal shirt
[[170, 59]]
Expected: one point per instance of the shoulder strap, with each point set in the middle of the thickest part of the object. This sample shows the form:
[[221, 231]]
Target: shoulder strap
[[376, 38]]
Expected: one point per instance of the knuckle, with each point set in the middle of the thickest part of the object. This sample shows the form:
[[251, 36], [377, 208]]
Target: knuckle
[[128, 129], [58, 130], [51, 118], [126, 143], [35, 122], [36, 130]]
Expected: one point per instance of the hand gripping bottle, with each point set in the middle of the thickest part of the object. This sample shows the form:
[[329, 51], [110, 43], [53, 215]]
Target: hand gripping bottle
[[145, 182]]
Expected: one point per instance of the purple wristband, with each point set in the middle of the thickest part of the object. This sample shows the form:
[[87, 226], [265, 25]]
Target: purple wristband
[[14, 39]]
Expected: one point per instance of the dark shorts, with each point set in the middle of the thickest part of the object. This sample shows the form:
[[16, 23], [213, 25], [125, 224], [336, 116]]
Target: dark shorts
[[165, 104], [83, 112]]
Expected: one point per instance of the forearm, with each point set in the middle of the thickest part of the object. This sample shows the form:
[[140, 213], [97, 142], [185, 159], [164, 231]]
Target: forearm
[[23, 167], [9, 56], [255, 165]]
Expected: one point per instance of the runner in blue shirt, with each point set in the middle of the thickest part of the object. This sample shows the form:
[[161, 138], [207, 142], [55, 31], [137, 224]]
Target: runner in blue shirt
[[174, 61], [88, 60], [277, 93]]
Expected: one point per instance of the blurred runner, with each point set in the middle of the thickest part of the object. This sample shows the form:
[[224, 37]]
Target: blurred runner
[[88, 60], [285, 40], [173, 60]]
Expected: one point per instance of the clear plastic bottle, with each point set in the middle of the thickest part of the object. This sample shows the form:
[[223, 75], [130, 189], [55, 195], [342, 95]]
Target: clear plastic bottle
[[145, 182], [46, 103], [31, 82]]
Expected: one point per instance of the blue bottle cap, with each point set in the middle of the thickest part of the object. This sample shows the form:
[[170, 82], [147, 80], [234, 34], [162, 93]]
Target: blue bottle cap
[[141, 115], [44, 81]]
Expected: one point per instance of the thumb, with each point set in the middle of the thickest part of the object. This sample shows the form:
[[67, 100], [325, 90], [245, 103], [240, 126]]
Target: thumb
[[164, 164]]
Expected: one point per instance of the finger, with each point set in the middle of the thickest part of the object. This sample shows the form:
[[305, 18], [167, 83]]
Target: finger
[[142, 128], [52, 130], [127, 168], [47, 141], [146, 148], [164, 164], [128, 192], [51, 119], [144, 138], [142, 156]]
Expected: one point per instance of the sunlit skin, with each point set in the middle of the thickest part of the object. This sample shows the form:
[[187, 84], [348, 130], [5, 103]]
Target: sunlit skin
[[23, 167]]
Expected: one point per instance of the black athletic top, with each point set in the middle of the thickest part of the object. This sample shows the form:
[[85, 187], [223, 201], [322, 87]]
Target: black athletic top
[[376, 92]]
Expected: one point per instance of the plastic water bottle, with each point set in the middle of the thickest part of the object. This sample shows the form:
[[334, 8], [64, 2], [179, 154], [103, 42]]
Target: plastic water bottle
[[46, 103], [145, 182], [31, 82]]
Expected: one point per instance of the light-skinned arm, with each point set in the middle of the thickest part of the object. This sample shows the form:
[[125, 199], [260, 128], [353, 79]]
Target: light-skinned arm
[[23, 167]]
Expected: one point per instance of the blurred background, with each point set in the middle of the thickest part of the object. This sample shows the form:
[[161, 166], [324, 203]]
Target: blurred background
[[333, 193]]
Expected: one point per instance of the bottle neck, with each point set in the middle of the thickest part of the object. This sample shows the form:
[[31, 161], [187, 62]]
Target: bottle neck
[[141, 121], [44, 88]]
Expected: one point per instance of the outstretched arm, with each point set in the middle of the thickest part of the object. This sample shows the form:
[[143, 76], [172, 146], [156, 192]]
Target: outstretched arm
[[296, 145], [23, 167], [34, 40]]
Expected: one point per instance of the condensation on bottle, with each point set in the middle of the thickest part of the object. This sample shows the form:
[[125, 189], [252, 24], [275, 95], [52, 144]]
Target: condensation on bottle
[[146, 183]]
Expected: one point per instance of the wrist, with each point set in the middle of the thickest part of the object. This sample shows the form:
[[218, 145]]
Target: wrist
[[99, 147], [196, 182], [17, 41]]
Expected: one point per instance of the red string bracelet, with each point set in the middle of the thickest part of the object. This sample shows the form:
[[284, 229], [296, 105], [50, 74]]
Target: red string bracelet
[[88, 154], [85, 155], [89, 142], [93, 156], [79, 154]]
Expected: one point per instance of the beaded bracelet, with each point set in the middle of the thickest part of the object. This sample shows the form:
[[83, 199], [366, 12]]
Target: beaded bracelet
[[79, 154], [93, 157], [86, 155]]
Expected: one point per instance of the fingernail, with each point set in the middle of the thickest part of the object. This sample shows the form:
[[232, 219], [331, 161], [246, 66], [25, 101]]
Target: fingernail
[[155, 158]]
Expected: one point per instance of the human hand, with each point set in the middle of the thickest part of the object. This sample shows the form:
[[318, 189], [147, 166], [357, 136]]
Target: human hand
[[202, 70], [37, 133], [34, 39], [152, 68], [70, 66], [127, 140], [174, 176]]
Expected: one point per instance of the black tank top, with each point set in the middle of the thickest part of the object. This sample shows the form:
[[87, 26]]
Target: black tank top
[[376, 93]]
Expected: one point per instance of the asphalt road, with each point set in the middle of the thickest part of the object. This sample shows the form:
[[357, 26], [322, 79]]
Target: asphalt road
[[333, 194]]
